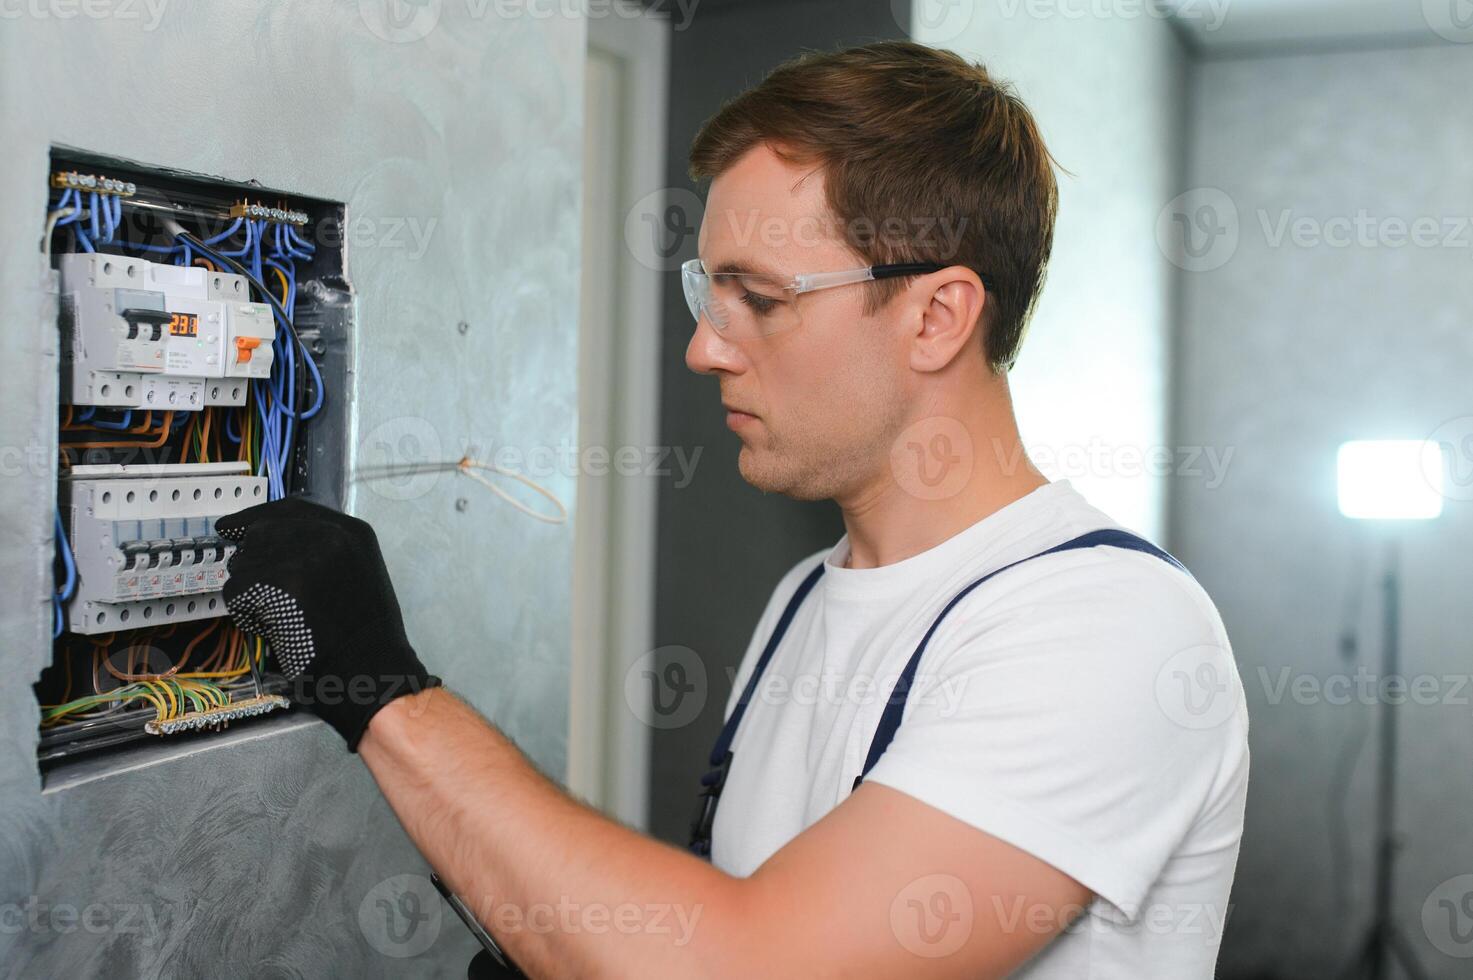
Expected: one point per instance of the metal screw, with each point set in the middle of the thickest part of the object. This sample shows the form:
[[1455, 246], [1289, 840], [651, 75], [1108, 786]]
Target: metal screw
[[461, 504], [463, 327]]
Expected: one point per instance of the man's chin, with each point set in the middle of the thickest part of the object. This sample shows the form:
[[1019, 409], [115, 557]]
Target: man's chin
[[767, 474]]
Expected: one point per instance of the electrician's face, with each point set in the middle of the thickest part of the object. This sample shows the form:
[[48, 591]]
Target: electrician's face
[[817, 406]]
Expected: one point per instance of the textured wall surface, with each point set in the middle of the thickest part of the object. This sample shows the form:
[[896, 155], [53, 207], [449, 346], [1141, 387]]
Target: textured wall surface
[[1290, 346], [1091, 385], [453, 135]]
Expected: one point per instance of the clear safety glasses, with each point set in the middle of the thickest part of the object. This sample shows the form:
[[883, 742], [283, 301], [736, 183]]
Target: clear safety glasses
[[744, 305]]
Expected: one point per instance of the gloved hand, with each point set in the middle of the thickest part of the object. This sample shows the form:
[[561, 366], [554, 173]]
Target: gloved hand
[[312, 582]]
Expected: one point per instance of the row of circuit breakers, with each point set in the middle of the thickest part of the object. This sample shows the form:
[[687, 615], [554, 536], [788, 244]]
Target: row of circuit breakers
[[147, 336]]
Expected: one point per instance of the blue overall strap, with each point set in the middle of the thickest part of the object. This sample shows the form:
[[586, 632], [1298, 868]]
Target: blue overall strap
[[714, 782], [728, 731], [895, 707]]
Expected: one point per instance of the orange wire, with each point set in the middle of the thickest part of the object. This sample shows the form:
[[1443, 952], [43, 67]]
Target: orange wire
[[163, 436]]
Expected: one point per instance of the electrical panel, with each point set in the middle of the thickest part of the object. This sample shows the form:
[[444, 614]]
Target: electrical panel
[[203, 330]]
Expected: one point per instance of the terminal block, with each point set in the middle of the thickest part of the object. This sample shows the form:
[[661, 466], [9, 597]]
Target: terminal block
[[146, 335], [144, 542]]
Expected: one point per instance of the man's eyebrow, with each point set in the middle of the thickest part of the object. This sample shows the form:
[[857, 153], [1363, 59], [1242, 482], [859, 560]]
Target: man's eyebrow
[[742, 269]]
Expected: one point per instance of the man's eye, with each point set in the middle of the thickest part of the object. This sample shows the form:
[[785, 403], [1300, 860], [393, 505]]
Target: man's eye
[[758, 302]]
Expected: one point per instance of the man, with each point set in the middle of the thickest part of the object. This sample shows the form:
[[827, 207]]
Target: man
[[992, 768]]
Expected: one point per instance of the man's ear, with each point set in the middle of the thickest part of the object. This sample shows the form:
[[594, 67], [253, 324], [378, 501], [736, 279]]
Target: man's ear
[[952, 303]]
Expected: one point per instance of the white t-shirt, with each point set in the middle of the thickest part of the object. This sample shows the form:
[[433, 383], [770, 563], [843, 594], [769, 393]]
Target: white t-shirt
[[1084, 707]]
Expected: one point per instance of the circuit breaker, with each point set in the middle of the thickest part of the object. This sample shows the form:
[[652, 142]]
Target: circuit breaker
[[145, 335], [143, 539]]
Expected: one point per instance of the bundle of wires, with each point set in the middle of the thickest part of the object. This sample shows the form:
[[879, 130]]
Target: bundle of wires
[[173, 692], [294, 392]]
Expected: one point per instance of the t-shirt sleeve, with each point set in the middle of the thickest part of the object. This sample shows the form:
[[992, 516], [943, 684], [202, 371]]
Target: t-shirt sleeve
[[1083, 708]]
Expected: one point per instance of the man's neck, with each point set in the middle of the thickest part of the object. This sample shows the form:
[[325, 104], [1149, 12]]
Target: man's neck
[[947, 473]]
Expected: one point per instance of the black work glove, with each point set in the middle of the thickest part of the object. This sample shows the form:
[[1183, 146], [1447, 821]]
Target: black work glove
[[312, 582]]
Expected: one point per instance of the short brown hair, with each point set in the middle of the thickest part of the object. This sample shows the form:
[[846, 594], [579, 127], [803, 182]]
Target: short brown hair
[[907, 132]]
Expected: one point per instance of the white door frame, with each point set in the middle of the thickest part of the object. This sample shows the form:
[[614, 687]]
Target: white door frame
[[618, 402]]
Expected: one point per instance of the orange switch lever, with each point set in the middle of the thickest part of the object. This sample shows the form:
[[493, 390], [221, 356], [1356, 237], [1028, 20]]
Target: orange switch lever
[[244, 346]]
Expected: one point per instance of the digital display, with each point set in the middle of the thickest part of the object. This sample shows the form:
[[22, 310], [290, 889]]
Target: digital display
[[184, 325]]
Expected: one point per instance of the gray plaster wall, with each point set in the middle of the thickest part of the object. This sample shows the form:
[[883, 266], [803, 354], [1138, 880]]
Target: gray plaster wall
[[453, 136], [1287, 350]]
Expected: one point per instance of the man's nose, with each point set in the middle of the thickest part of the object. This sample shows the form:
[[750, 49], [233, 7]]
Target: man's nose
[[709, 352]]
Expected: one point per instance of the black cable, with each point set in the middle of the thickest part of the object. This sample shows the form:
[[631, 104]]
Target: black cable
[[260, 287]]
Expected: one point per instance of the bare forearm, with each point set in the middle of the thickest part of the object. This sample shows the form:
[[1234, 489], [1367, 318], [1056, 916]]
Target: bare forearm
[[567, 891]]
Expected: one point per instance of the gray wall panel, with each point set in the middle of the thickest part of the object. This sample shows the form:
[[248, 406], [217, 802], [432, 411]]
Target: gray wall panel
[[255, 855], [1287, 350]]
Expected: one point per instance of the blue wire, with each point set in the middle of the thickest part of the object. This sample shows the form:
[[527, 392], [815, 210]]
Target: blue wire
[[244, 248], [126, 423], [71, 199], [87, 413], [83, 240], [69, 584], [93, 216], [297, 241], [234, 227]]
